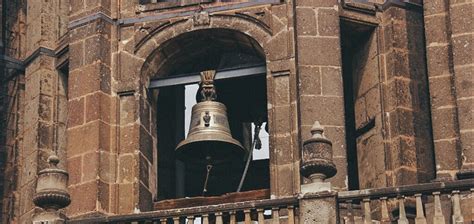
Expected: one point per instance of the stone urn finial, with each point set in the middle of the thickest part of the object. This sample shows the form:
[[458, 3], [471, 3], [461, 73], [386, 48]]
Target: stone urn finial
[[51, 188], [316, 159]]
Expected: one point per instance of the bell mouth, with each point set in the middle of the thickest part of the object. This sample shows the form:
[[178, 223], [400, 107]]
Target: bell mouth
[[209, 149]]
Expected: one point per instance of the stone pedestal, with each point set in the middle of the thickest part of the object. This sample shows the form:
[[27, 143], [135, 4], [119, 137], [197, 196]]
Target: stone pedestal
[[318, 208], [51, 217]]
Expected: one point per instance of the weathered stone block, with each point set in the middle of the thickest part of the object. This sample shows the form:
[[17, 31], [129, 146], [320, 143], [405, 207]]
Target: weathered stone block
[[127, 199], [145, 198], [318, 209], [317, 3], [436, 29], [444, 121], [79, 203], [401, 122], [76, 52], [310, 81], [88, 79], [327, 110], [466, 114], [307, 23], [282, 118], [332, 81], [146, 144], [319, 51], [461, 19], [76, 112], [281, 88], [129, 139], [328, 22], [90, 169], [282, 149], [278, 46], [434, 7], [97, 50], [92, 136], [108, 166], [463, 46], [467, 141], [74, 168], [441, 92], [446, 156], [438, 63], [464, 81], [127, 168], [98, 106]]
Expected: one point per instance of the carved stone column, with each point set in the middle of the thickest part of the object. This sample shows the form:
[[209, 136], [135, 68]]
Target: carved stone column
[[51, 193]]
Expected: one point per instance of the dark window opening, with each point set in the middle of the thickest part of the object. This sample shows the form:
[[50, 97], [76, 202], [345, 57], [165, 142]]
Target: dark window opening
[[244, 97], [361, 89]]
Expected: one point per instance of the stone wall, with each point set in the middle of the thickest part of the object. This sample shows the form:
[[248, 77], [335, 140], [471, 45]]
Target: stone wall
[[449, 35], [114, 48]]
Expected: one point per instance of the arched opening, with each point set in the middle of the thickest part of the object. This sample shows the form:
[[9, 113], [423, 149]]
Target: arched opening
[[178, 62]]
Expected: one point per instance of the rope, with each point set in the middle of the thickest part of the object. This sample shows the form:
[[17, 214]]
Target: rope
[[257, 143]]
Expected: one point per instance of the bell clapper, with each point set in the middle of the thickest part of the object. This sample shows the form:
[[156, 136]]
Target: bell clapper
[[208, 168]]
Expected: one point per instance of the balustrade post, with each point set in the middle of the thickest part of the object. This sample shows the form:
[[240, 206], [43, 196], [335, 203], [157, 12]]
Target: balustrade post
[[318, 202]]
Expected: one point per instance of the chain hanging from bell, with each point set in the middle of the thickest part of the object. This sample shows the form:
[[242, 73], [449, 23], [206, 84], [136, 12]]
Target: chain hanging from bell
[[209, 139]]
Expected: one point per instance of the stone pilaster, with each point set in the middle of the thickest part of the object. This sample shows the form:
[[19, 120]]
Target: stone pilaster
[[320, 75], [408, 137], [282, 99], [462, 39], [442, 94], [91, 152], [42, 113]]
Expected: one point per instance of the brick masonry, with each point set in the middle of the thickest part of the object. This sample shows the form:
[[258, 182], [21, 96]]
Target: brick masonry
[[416, 84]]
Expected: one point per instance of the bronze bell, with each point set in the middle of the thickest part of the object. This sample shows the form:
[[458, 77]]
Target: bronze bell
[[209, 139]]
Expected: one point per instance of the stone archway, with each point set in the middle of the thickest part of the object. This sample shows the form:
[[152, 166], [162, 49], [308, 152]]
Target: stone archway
[[149, 49]]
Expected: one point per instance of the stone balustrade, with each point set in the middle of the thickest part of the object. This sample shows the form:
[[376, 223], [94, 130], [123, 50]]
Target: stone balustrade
[[437, 203], [283, 210]]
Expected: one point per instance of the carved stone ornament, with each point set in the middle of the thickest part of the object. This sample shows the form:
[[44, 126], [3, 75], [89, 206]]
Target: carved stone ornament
[[316, 159], [51, 188], [201, 18]]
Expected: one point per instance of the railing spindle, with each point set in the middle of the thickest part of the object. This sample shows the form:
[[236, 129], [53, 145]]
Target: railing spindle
[[350, 212], [291, 215], [232, 217], [367, 211], [420, 214], [402, 217], [190, 219], [438, 217], [247, 219], [163, 220], [385, 217], [275, 215], [261, 217], [205, 219], [176, 220], [219, 218], [457, 216]]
